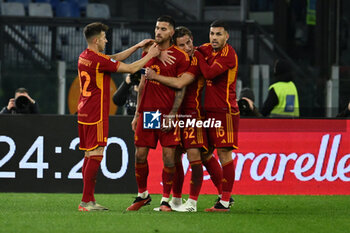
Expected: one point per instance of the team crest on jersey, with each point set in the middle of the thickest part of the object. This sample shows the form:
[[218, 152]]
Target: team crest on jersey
[[156, 68], [151, 120]]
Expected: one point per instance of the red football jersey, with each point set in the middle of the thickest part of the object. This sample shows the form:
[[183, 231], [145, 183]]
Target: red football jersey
[[94, 75], [221, 75], [192, 101], [156, 95]]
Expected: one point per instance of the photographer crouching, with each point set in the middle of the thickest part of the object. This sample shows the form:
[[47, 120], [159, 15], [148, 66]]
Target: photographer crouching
[[246, 104], [21, 104]]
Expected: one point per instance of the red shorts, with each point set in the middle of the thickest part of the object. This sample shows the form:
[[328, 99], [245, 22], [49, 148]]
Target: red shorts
[[227, 134], [149, 137], [194, 137], [93, 136]]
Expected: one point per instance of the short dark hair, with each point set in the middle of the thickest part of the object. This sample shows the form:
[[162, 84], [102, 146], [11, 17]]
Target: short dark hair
[[168, 19], [182, 31], [94, 29], [21, 90], [219, 23], [283, 70]]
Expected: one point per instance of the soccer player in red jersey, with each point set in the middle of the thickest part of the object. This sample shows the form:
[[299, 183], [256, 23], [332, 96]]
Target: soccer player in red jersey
[[95, 70], [218, 63], [157, 99], [194, 139]]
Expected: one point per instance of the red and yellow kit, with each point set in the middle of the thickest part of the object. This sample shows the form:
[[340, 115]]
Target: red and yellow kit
[[157, 96], [220, 92], [193, 137], [192, 100], [93, 107], [227, 134], [220, 71]]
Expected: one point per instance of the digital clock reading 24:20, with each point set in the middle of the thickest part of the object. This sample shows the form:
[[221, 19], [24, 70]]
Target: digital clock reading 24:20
[[40, 153]]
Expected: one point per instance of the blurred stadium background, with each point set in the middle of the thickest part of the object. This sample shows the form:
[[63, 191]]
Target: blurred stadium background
[[312, 34]]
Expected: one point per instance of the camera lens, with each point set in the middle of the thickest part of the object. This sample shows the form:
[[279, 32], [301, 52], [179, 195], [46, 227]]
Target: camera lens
[[244, 107], [22, 104], [135, 78]]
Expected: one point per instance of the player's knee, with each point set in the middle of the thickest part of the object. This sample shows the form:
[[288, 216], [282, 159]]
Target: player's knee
[[193, 154], [225, 154], [168, 156], [140, 155], [95, 152], [224, 150], [168, 160]]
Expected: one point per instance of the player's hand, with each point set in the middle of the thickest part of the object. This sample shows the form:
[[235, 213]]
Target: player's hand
[[145, 43], [154, 50], [150, 74], [134, 123], [27, 95], [165, 57], [250, 102], [128, 79], [167, 123], [11, 104]]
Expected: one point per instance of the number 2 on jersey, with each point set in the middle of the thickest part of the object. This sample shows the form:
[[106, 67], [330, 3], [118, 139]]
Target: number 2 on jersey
[[84, 90]]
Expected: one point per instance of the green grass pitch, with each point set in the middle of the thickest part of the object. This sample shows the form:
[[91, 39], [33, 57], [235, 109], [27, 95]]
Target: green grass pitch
[[37, 212]]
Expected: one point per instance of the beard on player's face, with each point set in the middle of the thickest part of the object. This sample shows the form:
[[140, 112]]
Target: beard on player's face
[[218, 37], [163, 32], [160, 39]]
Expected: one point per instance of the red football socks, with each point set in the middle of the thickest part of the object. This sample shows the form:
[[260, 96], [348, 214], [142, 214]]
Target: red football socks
[[141, 173], [228, 180], [167, 178], [90, 174], [84, 165], [196, 179], [178, 180], [215, 171]]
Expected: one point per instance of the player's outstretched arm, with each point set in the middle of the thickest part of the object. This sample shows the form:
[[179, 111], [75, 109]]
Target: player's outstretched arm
[[137, 65], [121, 56], [174, 82]]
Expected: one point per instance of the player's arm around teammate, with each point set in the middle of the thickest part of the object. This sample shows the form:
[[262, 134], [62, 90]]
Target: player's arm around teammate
[[193, 139], [178, 83], [121, 56], [137, 65]]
